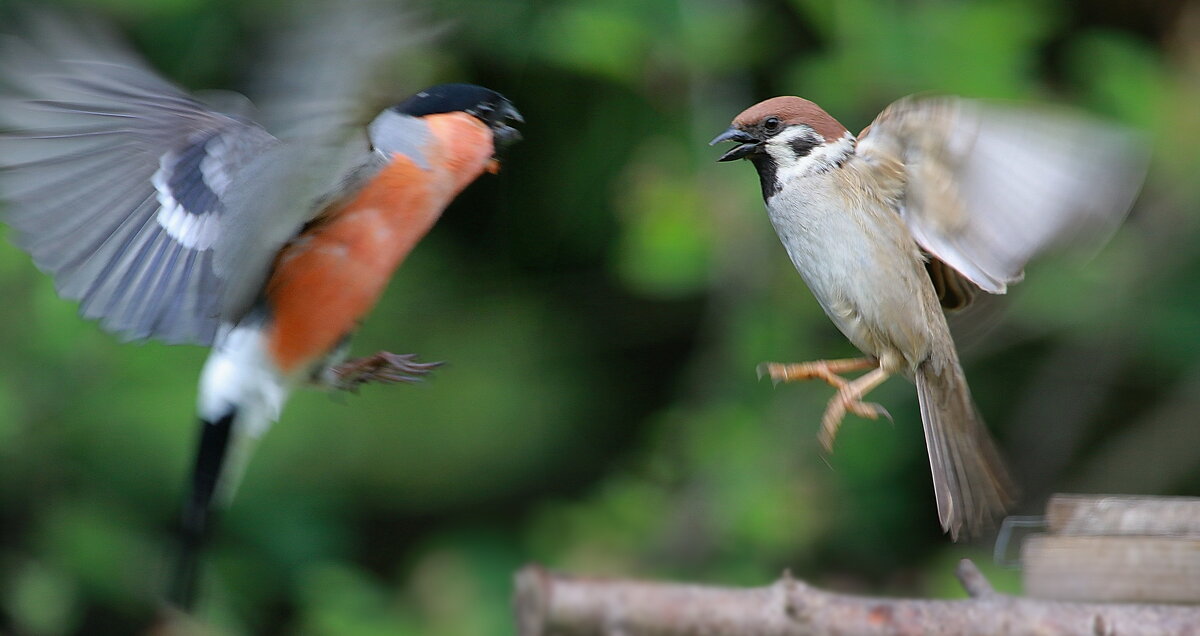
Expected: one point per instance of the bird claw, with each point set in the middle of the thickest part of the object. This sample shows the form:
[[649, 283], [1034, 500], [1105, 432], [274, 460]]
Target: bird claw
[[777, 372], [848, 398], [383, 367], [819, 370], [870, 411], [846, 401]]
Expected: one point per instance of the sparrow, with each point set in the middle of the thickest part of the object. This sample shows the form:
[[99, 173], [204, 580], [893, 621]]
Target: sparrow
[[168, 219], [938, 198]]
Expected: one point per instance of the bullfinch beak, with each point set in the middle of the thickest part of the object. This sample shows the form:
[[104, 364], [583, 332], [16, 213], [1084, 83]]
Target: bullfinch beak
[[498, 119], [191, 225]]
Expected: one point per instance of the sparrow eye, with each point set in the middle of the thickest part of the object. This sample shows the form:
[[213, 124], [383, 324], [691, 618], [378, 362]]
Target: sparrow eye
[[771, 124]]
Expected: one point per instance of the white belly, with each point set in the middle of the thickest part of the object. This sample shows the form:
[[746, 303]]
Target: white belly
[[864, 270]]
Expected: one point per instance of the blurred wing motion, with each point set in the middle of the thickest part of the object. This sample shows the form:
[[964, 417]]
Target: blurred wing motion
[[990, 186], [159, 214], [165, 217], [337, 63], [319, 83], [328, 72], [115, 180]]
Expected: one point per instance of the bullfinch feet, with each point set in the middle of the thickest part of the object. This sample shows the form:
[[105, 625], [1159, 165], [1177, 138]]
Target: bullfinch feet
[[383, 367]]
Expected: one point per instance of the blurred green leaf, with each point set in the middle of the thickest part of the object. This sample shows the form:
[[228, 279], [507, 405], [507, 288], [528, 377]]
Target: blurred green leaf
[[40, 600], [666, 241], [342, 601], [595, 38]]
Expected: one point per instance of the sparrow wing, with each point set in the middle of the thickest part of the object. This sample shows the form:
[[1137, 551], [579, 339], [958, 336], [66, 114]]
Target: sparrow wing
[[989, 186], [115, 180]]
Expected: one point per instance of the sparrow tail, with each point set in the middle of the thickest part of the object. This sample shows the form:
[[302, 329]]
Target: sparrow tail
[[970, 482]]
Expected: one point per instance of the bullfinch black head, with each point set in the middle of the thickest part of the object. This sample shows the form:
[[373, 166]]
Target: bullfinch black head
[[487, 105]]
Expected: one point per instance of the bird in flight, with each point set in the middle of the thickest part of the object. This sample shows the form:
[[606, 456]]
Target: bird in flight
[[938, 198], [170, 219]]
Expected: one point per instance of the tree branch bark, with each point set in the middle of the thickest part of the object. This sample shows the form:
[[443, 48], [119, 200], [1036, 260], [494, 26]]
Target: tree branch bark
[[549, 604]]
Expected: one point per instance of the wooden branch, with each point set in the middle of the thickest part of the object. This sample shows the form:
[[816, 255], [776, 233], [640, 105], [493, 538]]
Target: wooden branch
[[1124, 515], [549, 604], [1112, 569], [1116, 548]]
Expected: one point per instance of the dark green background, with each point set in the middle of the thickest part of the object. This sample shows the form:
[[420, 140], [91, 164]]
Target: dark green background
[[602, 304]]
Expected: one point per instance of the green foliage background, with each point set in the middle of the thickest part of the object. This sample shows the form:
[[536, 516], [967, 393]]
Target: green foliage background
[[602, 305]]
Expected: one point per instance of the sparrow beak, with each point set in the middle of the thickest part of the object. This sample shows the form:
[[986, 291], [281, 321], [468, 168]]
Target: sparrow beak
[[747, 144]]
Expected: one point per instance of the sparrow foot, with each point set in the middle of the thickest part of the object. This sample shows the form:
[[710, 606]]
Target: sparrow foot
[[849, 392], [826, 370], [847, 400], [383, 367]]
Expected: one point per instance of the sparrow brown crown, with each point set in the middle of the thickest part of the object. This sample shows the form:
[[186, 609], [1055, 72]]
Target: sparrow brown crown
[[792, 110]]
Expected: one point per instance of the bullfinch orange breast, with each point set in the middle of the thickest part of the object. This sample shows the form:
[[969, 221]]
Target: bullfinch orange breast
[[168, 219]]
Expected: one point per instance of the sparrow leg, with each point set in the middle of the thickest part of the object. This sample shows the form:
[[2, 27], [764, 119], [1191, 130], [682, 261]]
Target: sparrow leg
[[826, 370], [849, 399], [382, 367]]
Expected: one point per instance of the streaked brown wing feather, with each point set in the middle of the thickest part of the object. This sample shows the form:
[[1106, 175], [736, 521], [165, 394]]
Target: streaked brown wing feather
[[953, 290], [989, 186]]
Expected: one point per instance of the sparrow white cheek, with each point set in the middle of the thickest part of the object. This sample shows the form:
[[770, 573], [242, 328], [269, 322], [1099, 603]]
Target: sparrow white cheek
[[842, 211], [792, 164]]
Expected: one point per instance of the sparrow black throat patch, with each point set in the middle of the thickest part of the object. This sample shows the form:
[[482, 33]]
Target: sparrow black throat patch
[[767, 177]]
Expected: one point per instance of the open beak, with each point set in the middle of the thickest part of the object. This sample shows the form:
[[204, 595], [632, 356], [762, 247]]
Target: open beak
[[747, 144], [499, 119]]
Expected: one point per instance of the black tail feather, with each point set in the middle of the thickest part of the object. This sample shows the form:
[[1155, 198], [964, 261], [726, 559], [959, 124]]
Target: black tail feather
[[198, 512]]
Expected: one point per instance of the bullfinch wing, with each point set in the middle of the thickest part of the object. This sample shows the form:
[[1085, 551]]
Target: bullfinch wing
[[161, 215], [329, 73]]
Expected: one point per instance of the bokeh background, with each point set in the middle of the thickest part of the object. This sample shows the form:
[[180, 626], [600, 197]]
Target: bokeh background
[[602, 304]]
